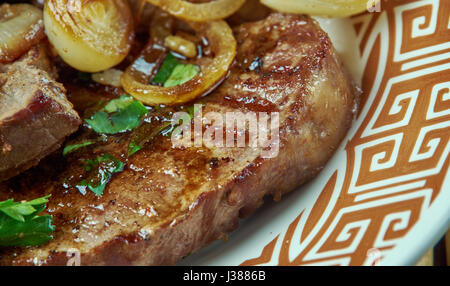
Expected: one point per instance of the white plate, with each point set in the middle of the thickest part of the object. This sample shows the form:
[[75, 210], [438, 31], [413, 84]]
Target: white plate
[[385, 195]]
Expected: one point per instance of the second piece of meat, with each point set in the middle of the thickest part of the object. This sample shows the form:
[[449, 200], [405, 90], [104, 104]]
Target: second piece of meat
[[35, 115]]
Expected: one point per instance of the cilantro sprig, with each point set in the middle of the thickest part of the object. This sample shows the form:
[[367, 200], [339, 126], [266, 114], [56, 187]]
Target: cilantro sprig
[[74, 147], [21, 225]]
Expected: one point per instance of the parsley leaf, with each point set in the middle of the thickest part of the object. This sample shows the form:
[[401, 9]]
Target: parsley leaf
[[101, 171], [193, 109], [119, 115], [133, 148], [172, 72], [166, 69], [72, 148], [20, 224], [118, 103], [181, 74]]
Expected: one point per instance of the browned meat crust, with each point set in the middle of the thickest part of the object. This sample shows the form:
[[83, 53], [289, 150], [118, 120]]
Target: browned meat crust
[[170, 202], [35, 115]]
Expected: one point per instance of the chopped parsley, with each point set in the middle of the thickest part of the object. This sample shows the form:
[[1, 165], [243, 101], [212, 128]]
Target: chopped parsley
[[181, 74], [173, 72], [21, 225], [74, 147], [119, 103], [100, 171], [119, 115], [168, 65], [193, 109], [145, 134], [133, 148]]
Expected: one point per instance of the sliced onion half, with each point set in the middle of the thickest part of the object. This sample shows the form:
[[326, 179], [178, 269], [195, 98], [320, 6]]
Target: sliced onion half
[[21, 27], [199, 12], [329, 8], [223, 46]]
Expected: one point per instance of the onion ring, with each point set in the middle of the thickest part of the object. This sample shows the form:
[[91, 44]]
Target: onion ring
[[223, 44], [329, 8], [90, 36], [199, 12], [21, 27]]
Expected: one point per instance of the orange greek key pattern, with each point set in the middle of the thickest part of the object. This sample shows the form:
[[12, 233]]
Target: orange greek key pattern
[[397, 155]]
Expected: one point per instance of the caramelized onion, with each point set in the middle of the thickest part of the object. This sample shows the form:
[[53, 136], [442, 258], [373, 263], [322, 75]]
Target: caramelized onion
[[92, 35], [199, 12], [21, 26], [223, 45], [181, 46], [108, 77], [331, 8]]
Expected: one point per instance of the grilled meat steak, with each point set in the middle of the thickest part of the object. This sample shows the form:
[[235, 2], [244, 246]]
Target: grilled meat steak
[[35, 115], [169, 202]]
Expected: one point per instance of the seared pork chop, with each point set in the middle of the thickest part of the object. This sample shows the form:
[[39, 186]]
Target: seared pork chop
[[35, 115], [169, 202]]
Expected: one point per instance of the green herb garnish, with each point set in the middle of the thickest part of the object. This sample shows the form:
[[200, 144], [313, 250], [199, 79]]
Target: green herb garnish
[[193, 109], [166, 69], [172, 72], [181, 74], [119, 103], [72, 148], [133, 148], [119, 115], [101, 170], [20, 224]]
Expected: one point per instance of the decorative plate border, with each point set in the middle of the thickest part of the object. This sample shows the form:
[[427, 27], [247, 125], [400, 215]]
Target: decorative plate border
[[392, 200]]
